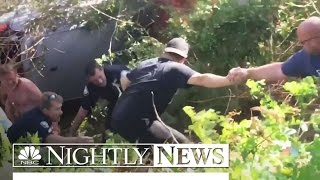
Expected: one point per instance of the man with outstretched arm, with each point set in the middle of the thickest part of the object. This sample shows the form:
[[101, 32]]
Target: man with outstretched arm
[[305, 62], [150, 88]]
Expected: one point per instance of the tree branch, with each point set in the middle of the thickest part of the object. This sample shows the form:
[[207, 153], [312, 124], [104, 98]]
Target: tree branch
[[159, 118]]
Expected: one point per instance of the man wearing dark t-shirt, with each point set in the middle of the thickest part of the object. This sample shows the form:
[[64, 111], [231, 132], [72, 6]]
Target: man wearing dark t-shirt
[[150, 88], [305, 62], [103, 82], [39, 120]]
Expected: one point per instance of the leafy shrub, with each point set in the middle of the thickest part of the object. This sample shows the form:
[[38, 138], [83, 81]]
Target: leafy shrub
[[268, 146]]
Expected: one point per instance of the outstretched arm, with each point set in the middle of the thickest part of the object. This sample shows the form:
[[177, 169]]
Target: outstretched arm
[[209, 80], [270, 72]]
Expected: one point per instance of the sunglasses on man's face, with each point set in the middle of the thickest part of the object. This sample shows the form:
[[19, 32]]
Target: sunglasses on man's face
[[52, 97]]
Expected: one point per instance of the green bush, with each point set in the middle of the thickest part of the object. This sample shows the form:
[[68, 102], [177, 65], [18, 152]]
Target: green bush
[[268, 146]]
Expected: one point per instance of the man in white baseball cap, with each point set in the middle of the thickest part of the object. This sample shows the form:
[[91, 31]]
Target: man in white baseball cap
[[150, 88], [178, 46]]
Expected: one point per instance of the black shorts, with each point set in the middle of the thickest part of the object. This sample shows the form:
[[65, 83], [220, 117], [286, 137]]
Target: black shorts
[[139, 124]]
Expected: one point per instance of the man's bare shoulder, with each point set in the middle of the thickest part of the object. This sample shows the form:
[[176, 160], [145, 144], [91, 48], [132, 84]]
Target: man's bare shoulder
[[25, 80], [28, 84]]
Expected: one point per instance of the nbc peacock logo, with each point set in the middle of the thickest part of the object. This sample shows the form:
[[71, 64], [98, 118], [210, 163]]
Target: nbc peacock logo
[[29, 155]]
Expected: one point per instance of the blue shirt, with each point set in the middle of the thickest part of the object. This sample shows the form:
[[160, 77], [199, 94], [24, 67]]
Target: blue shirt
[[302, 64], [33, 121]]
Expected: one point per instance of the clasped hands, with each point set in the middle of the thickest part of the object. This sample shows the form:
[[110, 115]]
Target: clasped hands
[[238, 75]]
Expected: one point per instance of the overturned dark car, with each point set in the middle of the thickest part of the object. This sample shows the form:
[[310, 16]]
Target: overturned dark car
[[55, 60]]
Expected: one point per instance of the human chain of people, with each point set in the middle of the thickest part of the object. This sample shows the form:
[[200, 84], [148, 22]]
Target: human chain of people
[[137, 97]]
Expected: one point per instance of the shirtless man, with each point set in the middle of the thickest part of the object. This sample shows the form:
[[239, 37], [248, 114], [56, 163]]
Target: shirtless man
[[22, 95], [39, 121]]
